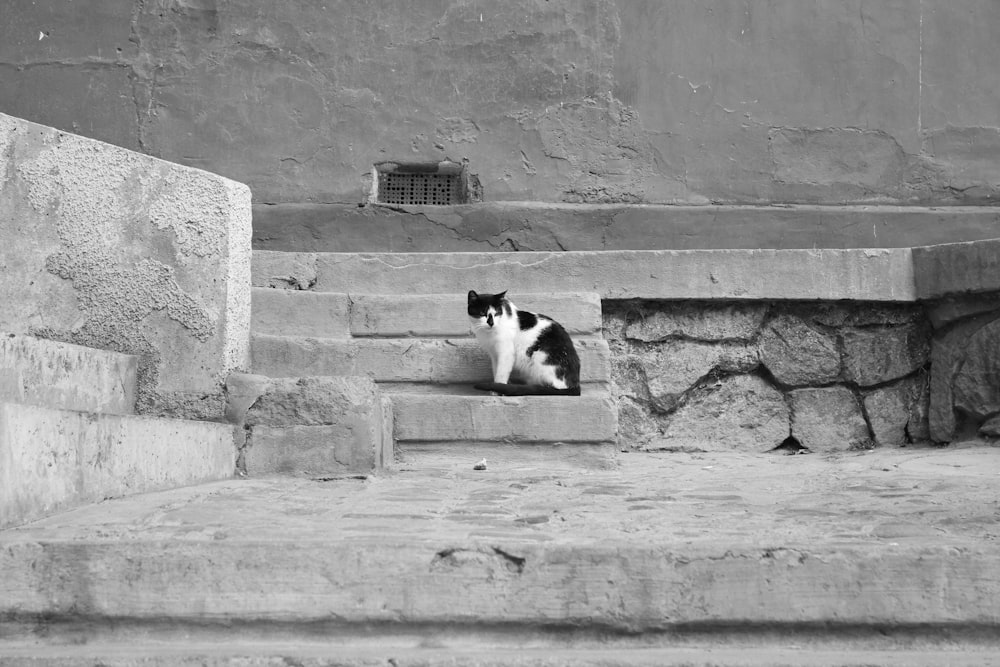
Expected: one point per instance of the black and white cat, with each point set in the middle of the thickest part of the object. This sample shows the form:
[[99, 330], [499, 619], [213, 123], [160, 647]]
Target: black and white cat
[[535, 349]]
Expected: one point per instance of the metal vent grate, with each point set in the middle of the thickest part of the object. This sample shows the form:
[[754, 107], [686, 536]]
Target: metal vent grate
[[401, 187]]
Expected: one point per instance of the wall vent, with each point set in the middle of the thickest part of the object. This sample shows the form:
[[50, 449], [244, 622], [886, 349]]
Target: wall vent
[[420, 184]]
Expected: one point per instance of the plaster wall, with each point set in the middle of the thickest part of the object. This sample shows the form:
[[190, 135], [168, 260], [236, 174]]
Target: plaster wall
[[107, 248], [693, 101]]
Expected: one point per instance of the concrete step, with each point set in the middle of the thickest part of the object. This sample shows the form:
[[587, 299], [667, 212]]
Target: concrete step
[[538, 226], [865, 274], [442, 360], [52, 460], [447, 427], [331, 315], [44, 372], [713, 548], [222, 650]]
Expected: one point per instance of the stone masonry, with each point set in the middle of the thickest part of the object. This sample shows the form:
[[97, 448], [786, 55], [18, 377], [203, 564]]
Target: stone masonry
[[693, 375]]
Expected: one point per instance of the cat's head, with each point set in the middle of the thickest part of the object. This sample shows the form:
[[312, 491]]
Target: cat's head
[[485, 308]]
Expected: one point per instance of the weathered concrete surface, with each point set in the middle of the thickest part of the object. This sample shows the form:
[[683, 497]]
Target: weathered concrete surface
[[333, 315], [299, 312], [446, 315], [858, 274], [886, 540], [53, 460], [59, 375], [443, 360], [310, 425], [783, 652], [429, 417], [956, 269], [605, 101], [540, 226], [112, 249]]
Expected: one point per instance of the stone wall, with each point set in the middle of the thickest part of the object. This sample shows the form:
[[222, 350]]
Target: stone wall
[[749, 375], [107, 248], [692, 101]]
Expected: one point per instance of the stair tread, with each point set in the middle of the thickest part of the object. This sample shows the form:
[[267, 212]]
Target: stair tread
[[442, 360], [661, 541]]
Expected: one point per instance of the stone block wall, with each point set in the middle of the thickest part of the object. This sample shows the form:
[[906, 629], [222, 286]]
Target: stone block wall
[[965, 358], [108, 248], [749, 375]]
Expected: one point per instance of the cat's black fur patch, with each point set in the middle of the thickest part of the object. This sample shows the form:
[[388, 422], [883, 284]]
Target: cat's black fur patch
[[526, 320], [558, 347]]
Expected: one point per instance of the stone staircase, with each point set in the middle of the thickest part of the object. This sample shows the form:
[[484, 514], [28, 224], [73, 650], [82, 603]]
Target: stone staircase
[[418, 350], [69, 435]]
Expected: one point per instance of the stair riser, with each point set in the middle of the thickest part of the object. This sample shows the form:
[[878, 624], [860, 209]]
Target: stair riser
[[53, 460], [59, 375], [429, 418], [627, 586], [331, 315], [398, 360], [446, 456], [884, 274]]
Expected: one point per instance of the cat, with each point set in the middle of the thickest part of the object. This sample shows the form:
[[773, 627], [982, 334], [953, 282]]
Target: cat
[[534, 348]]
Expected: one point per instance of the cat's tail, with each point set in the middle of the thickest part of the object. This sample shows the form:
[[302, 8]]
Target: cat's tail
[[526, 389]]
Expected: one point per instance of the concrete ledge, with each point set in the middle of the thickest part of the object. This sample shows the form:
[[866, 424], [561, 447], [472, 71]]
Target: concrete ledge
[[398, 360], [59, 375], [957, 269], [825, 274], [53, 460]]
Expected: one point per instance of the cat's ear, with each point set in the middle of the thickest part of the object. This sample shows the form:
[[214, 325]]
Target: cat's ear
[[472, 296], [501, 295]]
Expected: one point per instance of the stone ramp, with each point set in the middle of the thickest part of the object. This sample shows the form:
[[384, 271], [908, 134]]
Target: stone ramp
[[817, 560]]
